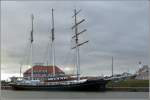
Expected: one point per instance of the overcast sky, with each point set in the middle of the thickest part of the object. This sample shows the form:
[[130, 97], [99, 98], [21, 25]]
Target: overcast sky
[[114, 28]]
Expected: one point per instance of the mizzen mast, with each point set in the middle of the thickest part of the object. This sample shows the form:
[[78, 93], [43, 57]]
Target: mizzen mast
[[76, 38]]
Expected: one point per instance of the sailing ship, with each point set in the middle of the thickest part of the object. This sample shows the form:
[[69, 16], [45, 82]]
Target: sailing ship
[[76, 83]]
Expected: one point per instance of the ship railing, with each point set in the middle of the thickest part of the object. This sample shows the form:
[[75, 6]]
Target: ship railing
[[67, 82]]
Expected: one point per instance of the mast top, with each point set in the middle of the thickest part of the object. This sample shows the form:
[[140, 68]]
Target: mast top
[[75, 27], [76, 12], [32, 16], [52, 30]]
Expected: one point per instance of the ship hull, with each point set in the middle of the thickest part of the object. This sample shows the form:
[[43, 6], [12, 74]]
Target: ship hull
[[89, 85]]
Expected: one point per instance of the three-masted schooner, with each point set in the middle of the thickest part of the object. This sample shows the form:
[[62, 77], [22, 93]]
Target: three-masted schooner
[[75, 84]]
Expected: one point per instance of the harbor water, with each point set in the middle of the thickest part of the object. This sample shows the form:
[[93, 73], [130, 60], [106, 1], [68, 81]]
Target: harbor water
[[23, 95]]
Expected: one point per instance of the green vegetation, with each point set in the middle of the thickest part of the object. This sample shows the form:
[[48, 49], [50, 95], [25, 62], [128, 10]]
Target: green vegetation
[[129, 83]]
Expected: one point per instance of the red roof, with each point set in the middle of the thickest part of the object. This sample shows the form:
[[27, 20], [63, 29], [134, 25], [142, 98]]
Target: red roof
[[48, 68]]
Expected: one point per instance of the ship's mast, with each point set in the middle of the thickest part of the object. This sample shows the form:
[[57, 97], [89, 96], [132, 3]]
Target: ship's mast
[[31, 41], [76, 38], [20, 69], [112, 66], [53, 43]]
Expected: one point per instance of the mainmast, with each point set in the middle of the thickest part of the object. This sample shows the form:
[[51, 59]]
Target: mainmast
[[31, 41], [53, 43], [76, 38]]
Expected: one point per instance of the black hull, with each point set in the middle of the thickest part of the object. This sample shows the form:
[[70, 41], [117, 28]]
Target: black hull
[[90, 85]]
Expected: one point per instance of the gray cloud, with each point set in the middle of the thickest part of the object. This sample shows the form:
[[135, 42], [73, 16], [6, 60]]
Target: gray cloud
[[115, 28]]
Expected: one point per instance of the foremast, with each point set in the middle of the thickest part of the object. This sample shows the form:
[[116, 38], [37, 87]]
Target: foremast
[[76, 38]]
